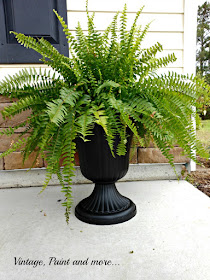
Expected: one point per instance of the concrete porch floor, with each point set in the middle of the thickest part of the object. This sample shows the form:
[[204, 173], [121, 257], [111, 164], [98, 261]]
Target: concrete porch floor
[[168, 239]]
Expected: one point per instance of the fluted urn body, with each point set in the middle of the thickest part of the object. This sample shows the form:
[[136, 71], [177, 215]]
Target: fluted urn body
[[105, 205]]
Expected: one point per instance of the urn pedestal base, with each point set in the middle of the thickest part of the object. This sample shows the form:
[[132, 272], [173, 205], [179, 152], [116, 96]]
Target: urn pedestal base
[[105, 206]]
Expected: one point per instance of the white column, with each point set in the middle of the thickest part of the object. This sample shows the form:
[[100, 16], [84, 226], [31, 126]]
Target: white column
[[190, 31]]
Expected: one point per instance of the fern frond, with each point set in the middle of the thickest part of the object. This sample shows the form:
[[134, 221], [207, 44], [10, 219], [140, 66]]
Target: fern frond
[[107, 84], [85, 123], [123, 33], [68, 151], [100, 117], [57, 109], [132, 33], [118, 105]]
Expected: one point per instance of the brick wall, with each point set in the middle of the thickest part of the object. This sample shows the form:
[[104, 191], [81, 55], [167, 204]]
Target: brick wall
[[14, 160]]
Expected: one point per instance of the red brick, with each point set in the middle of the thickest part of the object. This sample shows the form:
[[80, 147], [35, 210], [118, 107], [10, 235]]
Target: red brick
[[154, 155], [133, 155], [18, 130], [15, 161], [4, 99], [152, 145], [76, 157], [14, 120], [1, 163], [7, 141]]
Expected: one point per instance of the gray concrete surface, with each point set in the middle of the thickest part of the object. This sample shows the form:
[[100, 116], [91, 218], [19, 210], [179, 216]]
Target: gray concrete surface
[[168, 239], [36, 176]]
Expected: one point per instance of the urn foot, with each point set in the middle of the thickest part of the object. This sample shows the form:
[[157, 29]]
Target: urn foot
[[105, 206]]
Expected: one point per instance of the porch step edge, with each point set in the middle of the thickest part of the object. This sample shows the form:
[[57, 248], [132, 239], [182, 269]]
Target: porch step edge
[[137, 172]]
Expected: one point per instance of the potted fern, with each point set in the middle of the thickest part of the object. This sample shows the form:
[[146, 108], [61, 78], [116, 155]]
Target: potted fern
[[107, 88]]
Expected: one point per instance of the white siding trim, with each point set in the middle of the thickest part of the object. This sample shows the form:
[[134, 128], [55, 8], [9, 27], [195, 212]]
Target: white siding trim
[[23, 66], [190, 27]]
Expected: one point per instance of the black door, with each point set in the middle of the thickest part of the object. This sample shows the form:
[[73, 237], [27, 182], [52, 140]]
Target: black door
[[34, 18]]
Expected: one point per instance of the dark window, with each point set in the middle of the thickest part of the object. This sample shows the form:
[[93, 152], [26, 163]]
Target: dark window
[[34, 18]]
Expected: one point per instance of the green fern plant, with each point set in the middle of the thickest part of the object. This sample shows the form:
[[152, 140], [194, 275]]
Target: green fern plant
[[109, 80]]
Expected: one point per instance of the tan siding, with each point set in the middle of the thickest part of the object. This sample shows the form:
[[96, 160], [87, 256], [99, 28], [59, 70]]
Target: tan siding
[[161, 22], [160, 6], [167, 27], [178, 70], [169, 40], [11, 69]]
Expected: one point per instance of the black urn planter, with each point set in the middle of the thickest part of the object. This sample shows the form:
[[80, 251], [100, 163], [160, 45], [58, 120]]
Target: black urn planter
[[105, 206]]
